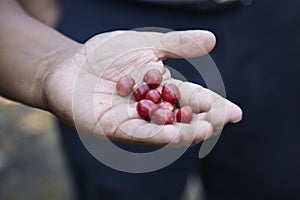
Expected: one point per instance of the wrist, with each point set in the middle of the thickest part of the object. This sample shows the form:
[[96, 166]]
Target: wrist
[[58, 80]]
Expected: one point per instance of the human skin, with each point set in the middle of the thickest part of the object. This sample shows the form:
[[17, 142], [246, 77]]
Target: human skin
[[47, 11], [42, 68]]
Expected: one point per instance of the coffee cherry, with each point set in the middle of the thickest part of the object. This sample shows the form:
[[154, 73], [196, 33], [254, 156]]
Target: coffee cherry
[[140, 91], [167, 105], [154, 95], [150, 104], [184, 114], [162, 116], [125, 85], [145, 107], [170, 93], [153, 78]]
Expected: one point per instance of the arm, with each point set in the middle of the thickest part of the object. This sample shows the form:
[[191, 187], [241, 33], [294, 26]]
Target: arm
[[76, 82], [47, 11], [29, 50]]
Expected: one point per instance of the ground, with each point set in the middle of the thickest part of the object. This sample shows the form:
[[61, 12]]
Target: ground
[[32, 165]]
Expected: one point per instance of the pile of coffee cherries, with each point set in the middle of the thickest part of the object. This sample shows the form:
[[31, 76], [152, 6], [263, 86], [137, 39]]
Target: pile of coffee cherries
[[159, 107]]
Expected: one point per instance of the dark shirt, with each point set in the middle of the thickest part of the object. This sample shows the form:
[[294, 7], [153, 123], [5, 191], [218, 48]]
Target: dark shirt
[[258, 56]]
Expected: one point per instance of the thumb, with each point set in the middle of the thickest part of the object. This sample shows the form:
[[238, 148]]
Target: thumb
[[185, 44], [129, 47]]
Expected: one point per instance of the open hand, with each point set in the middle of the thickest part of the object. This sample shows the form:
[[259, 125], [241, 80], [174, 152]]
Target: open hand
[[81, 89]]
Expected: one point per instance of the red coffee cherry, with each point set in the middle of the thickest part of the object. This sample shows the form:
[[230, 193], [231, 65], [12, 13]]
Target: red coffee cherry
[[170, 93], [154, 95], [145, 107], [167, 105], [140, 90], [125, 85], [162, 116], [184, 114], [153, 78]]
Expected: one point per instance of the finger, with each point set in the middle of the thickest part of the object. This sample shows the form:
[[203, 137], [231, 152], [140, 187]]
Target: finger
[[195, 131], [196, 96], [178, 134], [204, 100], [185, 44], [222, 112], [143, 47], [122, 123]]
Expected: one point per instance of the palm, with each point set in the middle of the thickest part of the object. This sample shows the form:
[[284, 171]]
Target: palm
[[97, 108]]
